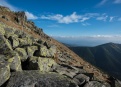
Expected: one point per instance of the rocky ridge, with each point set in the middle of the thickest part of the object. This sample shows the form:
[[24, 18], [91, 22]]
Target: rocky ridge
[[30, 58]]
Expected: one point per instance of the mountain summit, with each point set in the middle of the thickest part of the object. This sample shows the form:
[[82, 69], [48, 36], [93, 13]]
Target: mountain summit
[[30, 58]]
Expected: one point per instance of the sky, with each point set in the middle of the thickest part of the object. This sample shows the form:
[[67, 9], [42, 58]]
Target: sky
[[74, 21]]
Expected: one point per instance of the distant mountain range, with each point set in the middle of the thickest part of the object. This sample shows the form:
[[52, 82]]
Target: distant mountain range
[[107, 57]]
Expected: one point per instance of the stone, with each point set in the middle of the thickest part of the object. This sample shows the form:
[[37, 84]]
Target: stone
[[14, 41], [45, 64], [66, 70], [5, 46], [21, 15], [22, 53], [2, 31], [43, 51], [15, 62], [94, 84], [42, 64], [31, 50], [35, 78], [81, 79], [18, 33], [25, 41], [80, 76], [52, 51], [9, 32], [4, 72]]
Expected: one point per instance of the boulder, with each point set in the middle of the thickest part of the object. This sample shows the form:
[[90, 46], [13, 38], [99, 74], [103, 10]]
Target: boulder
[[4, 72], [66, 70], [2, 31], [5, 46], [31, 50], [36, 79], [14, 41], [25, 41], [9, 32], [46, 64], [94, 84], [43, 51], [82, 76], [81, 79], [52, 51], [22, 53], [19, 33], [42, 64], [15, 62]]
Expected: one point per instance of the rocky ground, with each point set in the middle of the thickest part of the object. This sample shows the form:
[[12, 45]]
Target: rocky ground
[[30, 58]]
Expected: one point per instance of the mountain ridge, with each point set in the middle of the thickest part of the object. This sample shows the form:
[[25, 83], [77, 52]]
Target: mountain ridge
[[27, 47], [108, 53]]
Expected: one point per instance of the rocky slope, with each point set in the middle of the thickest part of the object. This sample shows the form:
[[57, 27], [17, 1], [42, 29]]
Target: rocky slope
[[30, 58]]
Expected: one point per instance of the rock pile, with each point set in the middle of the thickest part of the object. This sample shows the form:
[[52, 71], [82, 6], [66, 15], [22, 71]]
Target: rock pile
[[27, 61]]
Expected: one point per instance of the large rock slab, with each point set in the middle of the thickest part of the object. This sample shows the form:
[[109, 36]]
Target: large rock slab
[[42, 64], [37, 79], [4, 72], [95, 84]]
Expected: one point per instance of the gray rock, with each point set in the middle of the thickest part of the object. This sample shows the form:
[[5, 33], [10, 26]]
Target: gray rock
[[22, 53], [37, 79], [81, 79], [52, 51], [4, 72], [94, 84], [66, 70], [31, 50], [25, 41], [15, 62], [14, 41], [5, 46], [80, 76], [2, 31], [42, 64], [9, 32]]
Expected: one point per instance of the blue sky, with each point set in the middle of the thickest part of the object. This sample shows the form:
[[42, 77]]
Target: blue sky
[[73, 18]]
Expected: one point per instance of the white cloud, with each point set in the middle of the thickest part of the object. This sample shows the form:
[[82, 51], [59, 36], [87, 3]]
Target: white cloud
[[30, 15], [103, 17], [86, 24], [6, 4], [84, 19], [72, 18], [101, 3], [117, 1], [111, 19], [63, 19]]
